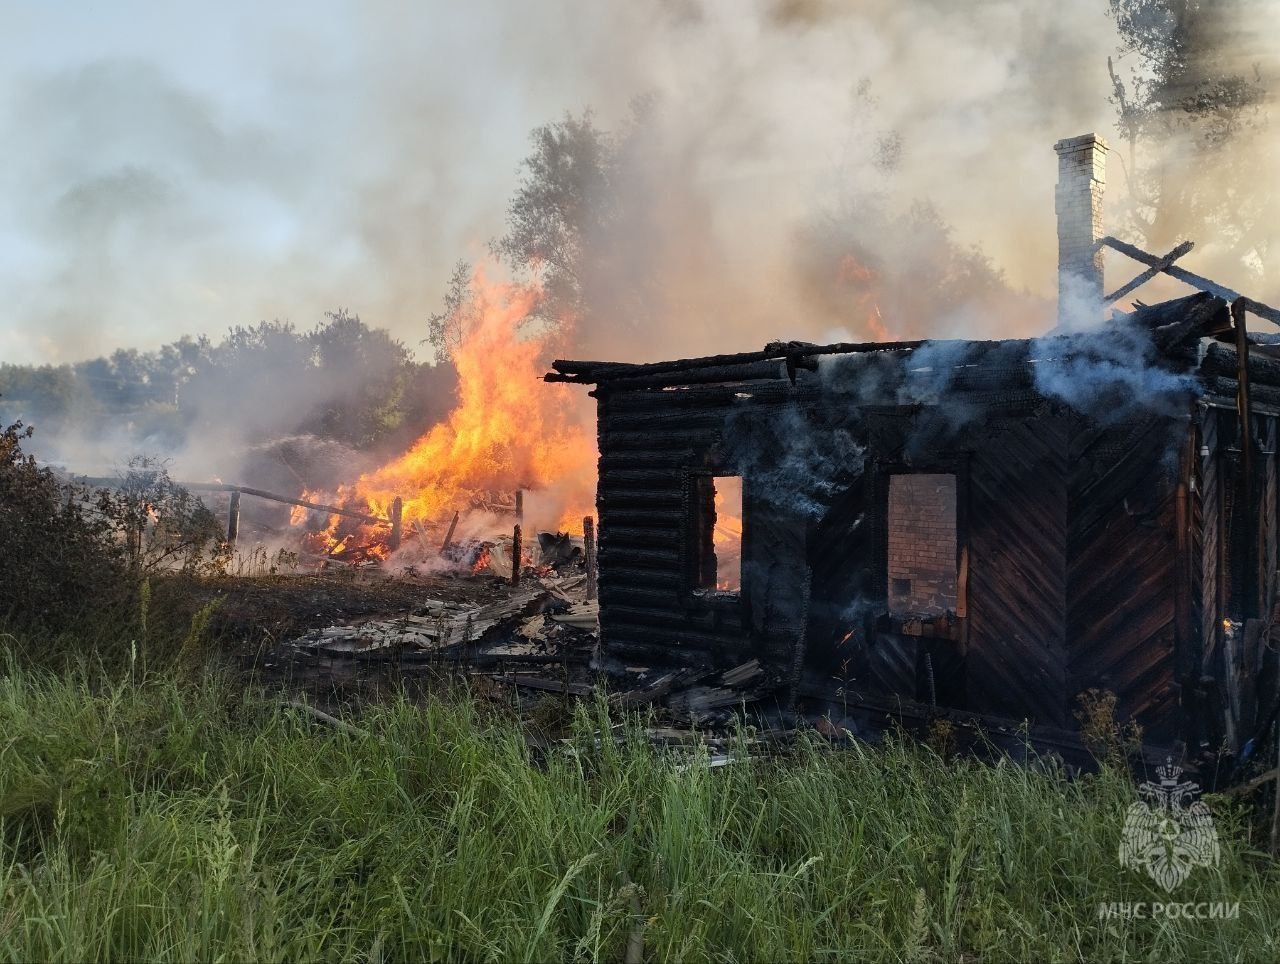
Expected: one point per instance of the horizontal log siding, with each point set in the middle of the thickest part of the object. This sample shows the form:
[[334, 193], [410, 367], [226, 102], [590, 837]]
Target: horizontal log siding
[[650, 442]]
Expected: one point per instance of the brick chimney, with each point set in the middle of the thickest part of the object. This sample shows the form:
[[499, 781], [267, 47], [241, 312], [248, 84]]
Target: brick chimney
[[1082, 177]]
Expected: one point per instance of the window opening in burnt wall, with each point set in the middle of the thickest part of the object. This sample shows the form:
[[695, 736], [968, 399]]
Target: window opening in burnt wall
[[922, 545], [718, 532]]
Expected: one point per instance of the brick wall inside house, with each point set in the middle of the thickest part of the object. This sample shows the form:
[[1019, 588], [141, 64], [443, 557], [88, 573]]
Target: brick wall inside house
[[922, 544]]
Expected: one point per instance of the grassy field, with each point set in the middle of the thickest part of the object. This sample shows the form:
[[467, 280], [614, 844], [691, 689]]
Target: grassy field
[[150, 820]]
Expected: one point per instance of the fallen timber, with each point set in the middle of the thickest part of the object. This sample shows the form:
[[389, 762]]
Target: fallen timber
[[288, 500]]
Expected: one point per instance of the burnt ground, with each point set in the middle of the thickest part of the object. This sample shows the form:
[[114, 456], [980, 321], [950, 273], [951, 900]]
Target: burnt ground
[[277, 632], [341, 641], [255, 612]]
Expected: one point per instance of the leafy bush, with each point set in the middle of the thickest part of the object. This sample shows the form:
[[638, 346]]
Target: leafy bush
[[60, 557], [78, 566], [165, 526]]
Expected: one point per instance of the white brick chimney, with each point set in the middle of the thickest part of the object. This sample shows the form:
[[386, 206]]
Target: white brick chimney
[[1082, 177]]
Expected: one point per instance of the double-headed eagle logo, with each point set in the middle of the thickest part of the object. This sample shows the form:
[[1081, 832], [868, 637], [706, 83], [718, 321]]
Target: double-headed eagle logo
[[1170, 831]]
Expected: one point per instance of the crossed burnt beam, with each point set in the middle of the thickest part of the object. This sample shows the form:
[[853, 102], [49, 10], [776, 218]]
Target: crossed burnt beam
[[1157, 264]]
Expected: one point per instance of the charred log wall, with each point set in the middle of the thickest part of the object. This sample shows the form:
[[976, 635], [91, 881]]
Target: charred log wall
[[1016, 663], [652, 444], [1226, 687], [1071, 528]]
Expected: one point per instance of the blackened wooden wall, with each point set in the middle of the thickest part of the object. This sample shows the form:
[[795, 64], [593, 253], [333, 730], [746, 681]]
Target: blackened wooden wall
[[1071, 530], [651, 442]]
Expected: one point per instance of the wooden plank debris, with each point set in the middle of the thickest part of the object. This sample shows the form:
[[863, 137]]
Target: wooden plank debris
[[745, 673], [443, 626], [583, 615], [652, 693], [546, 684]]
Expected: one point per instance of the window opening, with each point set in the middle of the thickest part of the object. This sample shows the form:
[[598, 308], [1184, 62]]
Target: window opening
[[718, 531]]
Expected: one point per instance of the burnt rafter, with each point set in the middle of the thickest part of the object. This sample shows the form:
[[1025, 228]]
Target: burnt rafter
[[731, 367], [1157, 265], [1163, 265]]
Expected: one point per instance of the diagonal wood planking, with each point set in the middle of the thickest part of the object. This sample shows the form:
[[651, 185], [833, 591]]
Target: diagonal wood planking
[[1122, 556], [1017, 571]]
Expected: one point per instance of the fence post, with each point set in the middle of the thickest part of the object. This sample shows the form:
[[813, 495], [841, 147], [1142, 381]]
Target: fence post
[[515, 556], [233, 518], [448, 536], [397, 530]]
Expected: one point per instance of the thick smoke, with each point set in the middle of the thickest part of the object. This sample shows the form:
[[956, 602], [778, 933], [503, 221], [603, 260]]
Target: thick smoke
[[186, 172], [792, 463], [1196, 147], [808, 168], [1109, 377]]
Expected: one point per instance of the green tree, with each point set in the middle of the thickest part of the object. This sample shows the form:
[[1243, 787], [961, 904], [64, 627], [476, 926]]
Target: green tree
[[1191, 114]]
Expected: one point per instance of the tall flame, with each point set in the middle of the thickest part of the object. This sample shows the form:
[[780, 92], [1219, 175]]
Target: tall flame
[[508, 431]]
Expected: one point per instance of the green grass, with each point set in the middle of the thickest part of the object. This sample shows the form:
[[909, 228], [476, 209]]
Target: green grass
[[151, 820]]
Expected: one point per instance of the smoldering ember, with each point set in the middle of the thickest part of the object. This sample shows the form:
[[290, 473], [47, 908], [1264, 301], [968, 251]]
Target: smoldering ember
[[760, 547]]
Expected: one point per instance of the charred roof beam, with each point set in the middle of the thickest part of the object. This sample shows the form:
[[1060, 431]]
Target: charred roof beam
[[1196, 281], [1164, 264]]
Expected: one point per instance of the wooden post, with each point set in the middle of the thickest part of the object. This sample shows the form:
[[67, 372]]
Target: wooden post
[[233, 518], [520, 505], [1249, 605], [515, 556], [589, 541], [1275, 806], [397, 523], [448, 536], [1184, 668]]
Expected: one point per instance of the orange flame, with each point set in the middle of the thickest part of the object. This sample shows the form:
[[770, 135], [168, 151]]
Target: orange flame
[[861, 281], [508, 431], [726, 536], [483, 558]]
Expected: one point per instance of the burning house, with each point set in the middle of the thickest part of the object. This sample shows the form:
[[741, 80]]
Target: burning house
[[988, 529]]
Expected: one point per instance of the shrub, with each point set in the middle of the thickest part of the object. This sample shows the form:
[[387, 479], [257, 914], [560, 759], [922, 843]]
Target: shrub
[[59, 555], [78, 566]]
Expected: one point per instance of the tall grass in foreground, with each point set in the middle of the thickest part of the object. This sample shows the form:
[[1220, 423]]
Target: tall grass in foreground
[[149, 820]]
